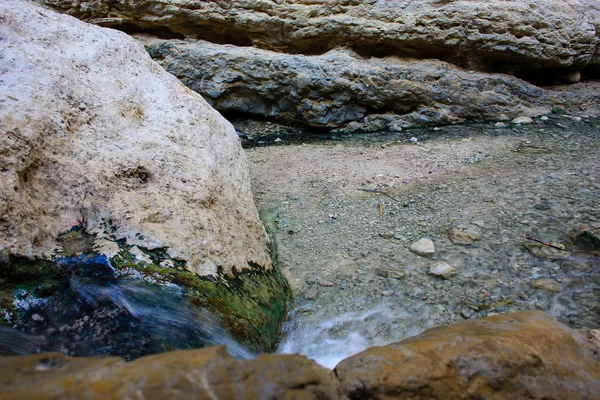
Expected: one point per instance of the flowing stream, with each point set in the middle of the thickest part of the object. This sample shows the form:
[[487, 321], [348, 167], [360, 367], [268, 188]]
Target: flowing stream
[[95, 313]]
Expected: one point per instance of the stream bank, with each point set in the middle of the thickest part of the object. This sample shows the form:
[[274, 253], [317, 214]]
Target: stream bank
[[348, 210]]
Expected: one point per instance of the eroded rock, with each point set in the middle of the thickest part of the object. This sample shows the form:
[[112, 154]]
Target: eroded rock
[[520, 355], [507, 36]]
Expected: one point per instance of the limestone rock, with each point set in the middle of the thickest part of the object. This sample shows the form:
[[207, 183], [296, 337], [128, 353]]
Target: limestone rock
[[342, 90], [199, 374], [497, 35], [442, 270], [95, 133], [423, 247], [520, 355]]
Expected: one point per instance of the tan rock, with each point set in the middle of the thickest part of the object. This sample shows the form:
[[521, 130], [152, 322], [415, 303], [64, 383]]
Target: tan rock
[[442, 270], [94, 131], [546, 252], [367, 65], [387, 272], [520, 355], [459, 236], [546, 284], [195, 374]]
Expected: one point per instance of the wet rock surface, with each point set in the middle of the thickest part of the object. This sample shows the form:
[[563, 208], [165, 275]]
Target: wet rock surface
[[520, 355], [200, 374], [347, 208]]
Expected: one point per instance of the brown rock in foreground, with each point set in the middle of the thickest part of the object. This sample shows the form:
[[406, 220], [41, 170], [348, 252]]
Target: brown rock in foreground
[[512, 356], [199, 374]]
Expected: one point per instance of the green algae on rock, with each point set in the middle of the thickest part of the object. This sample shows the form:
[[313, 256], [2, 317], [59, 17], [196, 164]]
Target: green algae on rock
[[251, 307]]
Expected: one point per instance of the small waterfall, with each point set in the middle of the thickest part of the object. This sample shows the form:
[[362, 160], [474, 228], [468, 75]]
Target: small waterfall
[[94, 312], [330, 339]]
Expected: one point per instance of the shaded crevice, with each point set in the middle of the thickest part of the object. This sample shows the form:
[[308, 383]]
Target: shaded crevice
[[161, 32]]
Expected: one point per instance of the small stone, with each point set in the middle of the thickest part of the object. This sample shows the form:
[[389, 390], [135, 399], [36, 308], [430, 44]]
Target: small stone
[[278, 140], [522, 120], [311, 294], [37, 317], [544, 118], [423, 247], [413, 140], [546, 284], [479, 223], [385, 234], [167, 264], [500, 125], [390, 273], [458, 236], [545, 252], [442, 270]]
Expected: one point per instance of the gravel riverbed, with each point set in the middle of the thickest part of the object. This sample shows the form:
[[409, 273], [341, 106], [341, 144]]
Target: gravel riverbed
[[348, 210]]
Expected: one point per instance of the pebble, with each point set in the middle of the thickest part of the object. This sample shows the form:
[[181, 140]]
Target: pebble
[[390, 273], [167, 264], [545, 252], [500, 125], [311, 294], [413, 140], [546, 284], [544, 118], [522, 120], [423, 247], [458, 236], [442, 270]]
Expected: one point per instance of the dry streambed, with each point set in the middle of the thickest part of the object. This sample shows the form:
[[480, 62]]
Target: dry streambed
[[347, 213]]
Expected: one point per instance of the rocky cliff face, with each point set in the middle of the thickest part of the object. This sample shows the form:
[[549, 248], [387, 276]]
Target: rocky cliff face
[[103, 152], [521, 355], [390, 74], [342, 90]]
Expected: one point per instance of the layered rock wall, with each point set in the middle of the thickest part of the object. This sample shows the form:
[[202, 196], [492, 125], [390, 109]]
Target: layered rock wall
[[343, 90], [482, 35], [369, 65]]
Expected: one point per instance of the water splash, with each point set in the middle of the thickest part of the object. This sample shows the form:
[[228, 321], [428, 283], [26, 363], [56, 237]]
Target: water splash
[[329, 339]]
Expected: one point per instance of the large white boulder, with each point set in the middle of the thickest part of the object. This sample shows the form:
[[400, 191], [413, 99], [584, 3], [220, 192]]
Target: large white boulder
[[93, 131]]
